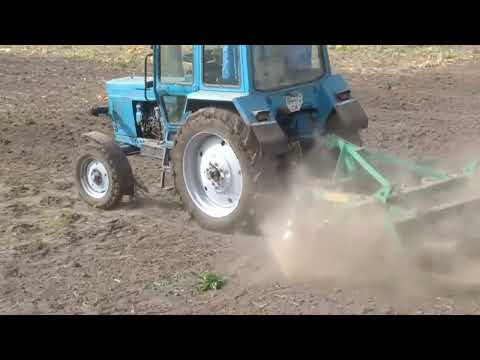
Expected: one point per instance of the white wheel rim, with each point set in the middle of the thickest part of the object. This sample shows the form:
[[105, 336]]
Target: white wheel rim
[[94, 178], [212, 175]]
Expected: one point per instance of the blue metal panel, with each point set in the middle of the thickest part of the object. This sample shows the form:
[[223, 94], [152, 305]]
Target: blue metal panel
[[123, 117], [129, 87], [247, 66], [214, 95], [123, 94], [230, 66], [247, 105], [197, 64], [318, 96]]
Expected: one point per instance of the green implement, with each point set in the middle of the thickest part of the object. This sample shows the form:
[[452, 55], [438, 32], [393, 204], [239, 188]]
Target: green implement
[[413, 198]]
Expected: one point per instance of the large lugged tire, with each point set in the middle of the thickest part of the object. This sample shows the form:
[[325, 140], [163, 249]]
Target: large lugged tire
[[215, 168], [102, 175]]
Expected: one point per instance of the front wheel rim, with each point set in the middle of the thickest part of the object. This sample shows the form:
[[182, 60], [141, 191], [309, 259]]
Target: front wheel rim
[[212, 175], [94, 178]]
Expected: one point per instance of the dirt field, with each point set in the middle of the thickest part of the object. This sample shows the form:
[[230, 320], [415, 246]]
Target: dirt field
[[59, 256]]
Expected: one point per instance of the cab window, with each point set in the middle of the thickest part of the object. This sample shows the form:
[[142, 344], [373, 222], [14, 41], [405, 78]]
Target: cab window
[[176, 64], [175, 106], [221, 65]]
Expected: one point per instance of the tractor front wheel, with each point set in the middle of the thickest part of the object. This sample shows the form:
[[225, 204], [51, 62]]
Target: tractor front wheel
[[214, 168], [102, 175]]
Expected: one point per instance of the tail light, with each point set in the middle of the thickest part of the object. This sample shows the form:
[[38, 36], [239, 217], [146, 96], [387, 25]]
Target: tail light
[[344, 95]]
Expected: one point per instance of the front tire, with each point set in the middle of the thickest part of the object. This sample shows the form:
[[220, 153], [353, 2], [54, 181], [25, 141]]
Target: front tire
[[102, 176], [214, 168]]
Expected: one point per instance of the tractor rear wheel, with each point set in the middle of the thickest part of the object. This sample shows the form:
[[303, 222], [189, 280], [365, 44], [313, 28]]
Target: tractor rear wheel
[[102, 175], [214, 170]]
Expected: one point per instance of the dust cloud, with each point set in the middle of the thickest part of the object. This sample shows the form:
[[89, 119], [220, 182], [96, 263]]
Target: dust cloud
[[313, 241]]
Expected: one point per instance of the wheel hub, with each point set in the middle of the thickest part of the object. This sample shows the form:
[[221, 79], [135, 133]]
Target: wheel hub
[[218, 176], [97, 177], [94, 178]]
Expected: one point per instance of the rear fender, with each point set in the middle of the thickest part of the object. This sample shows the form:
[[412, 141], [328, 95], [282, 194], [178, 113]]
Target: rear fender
[[268, 132], [348, 115]]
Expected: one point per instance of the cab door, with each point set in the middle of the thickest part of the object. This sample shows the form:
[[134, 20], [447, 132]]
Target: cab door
[[174, 80]]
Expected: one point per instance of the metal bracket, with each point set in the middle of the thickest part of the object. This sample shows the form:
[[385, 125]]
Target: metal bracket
[[157, 150]]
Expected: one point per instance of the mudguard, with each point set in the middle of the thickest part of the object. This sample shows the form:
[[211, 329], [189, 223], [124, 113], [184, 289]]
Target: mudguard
[[271, 137], [348, 115], [100, 138]]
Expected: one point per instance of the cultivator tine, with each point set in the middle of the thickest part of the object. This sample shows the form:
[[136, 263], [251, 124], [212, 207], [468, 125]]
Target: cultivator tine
[[435, 214]]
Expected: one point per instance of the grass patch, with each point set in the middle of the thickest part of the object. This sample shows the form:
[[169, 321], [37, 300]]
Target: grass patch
[[210, 281], [176, 284]]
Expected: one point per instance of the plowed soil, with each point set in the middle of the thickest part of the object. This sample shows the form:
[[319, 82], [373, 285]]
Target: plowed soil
[[57, 255]]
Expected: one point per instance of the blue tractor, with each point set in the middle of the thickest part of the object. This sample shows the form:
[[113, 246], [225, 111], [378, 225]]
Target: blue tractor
[[223, 119], [229, 120]]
